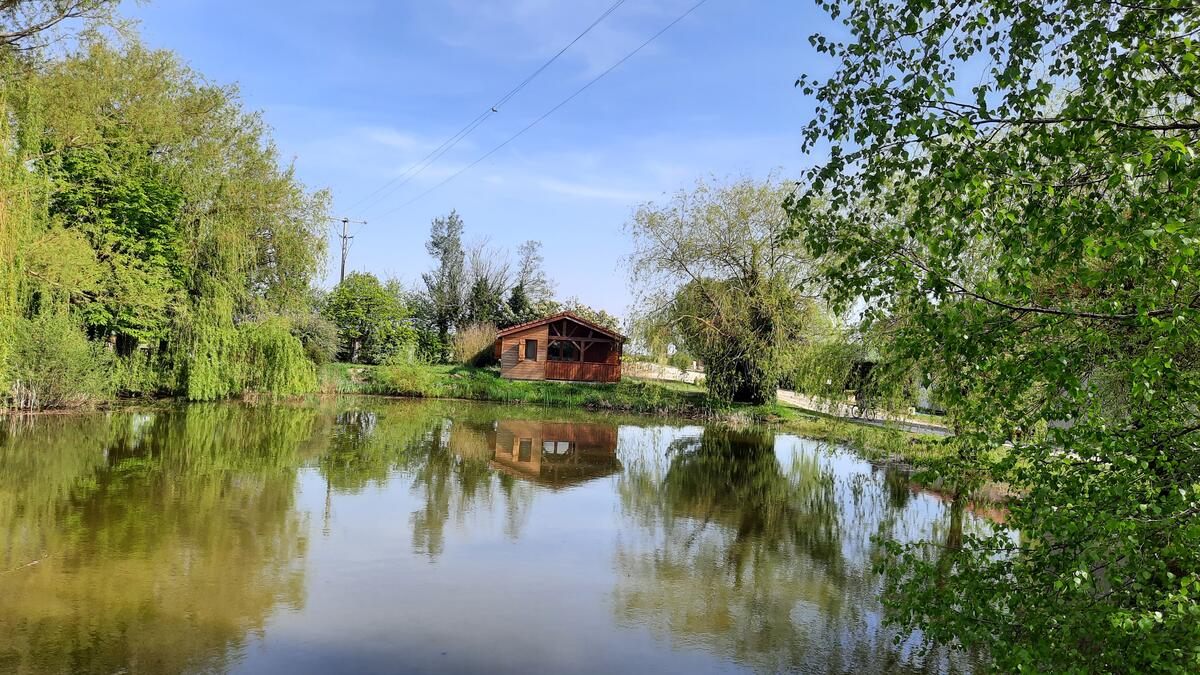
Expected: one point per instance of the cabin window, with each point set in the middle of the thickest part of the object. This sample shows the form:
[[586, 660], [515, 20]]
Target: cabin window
[[525, 450], [597, 352], [556, 447], [531, 350], [561, 350]]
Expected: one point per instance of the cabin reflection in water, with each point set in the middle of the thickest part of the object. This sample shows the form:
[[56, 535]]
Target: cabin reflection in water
[[556, 454]]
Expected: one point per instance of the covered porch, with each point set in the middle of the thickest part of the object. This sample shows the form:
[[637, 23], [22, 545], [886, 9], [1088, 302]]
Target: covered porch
[[578, 353]]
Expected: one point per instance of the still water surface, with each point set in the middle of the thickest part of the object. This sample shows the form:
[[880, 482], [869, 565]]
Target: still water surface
[[388, 536]]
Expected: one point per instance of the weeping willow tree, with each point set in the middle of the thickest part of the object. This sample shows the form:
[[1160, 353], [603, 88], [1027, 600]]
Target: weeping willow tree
[[710, 268], [10, 224], [145, 203]]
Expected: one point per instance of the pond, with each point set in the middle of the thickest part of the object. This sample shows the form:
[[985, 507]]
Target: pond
[[371, 535]]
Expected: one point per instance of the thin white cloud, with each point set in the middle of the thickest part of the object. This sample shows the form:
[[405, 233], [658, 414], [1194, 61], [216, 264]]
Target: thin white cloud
[[592, 191], [392, 138], [527, 30], [367, 157]]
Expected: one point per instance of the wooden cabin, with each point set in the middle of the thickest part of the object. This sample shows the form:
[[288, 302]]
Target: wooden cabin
[[560, 347]]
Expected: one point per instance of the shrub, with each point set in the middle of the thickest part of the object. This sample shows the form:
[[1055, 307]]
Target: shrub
[[318, 335], [402, 377], [474, 345], [680, 359], [430, 348], [389, 341], [54, 365], [140, 374]]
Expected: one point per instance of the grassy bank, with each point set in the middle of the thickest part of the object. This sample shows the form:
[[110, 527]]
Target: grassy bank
[[674, 399], [631, 395]]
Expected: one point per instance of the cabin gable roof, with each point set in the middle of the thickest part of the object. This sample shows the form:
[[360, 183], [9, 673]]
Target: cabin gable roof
[[561, 315]]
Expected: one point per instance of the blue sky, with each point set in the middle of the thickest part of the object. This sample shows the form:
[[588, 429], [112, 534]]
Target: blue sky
[[358, 90]]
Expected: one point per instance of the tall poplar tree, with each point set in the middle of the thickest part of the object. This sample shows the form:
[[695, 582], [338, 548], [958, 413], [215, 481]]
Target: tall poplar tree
[[531, 272], [444, 300]]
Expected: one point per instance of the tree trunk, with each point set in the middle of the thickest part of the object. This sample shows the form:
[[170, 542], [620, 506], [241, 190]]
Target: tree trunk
[[751, 385], [444, 341], [125, 344]]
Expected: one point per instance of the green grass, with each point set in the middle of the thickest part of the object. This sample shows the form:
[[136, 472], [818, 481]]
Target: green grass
[[485, 384], [651, 397], [345, 378]]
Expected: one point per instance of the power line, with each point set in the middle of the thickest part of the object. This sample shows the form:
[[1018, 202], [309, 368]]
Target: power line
[[435, 154], [346, 237], [549, 112], [612, 8], [423, 163]]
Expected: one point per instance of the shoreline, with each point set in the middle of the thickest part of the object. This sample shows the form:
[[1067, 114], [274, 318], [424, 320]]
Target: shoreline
[[895, 444], [883, 447]]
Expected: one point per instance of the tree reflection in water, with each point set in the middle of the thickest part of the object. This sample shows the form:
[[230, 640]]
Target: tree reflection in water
[[162, 539], [443, 450], [765, 562], [167, 541], [453, 483]]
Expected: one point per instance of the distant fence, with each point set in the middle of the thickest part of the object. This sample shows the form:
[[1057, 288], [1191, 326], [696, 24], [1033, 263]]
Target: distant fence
[[658, 371]]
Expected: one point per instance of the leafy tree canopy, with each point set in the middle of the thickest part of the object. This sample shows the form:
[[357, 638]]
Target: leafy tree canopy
[[143, 202], [711, 266], [596, 316], [372, 319], [27, 24], [1012, 188]]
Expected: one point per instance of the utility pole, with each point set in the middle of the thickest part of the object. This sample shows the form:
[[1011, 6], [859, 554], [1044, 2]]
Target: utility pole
[[346, 237]]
